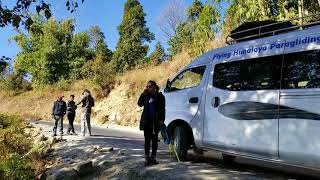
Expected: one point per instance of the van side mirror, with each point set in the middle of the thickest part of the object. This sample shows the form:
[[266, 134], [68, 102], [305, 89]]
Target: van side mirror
[[168, 86]]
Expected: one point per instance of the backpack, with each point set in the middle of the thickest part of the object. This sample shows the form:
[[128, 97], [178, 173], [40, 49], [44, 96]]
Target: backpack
[[90, 101]]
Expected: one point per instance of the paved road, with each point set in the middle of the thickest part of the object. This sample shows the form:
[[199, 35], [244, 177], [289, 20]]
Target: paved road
[[256, 169]]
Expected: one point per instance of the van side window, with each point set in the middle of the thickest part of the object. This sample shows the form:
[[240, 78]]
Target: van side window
[[301, 70], [187, 79], [254, 74]]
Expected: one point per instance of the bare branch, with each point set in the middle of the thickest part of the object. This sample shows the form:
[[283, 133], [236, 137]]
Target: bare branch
[[171, 16]]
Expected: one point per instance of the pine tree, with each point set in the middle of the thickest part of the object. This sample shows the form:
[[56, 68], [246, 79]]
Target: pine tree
[[130, 49], [181, 39], [204, 29], [195, 10], [158, 55], [98, 44]]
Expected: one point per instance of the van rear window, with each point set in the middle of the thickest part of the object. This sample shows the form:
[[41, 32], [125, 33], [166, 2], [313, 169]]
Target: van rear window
[[253, 74], [301, 70]]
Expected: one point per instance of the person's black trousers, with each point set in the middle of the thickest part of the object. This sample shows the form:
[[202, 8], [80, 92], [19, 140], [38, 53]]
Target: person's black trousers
[[71, 118], [150, 137]]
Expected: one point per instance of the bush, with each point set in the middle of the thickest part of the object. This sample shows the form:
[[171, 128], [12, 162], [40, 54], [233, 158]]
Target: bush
[[63, 85], [16, 167], [14, 145]]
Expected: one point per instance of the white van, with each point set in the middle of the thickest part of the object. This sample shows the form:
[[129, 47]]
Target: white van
[[259, 98]]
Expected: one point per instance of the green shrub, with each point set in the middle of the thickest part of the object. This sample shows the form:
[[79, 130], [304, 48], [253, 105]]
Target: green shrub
[[16, 167], [13, 146], [63, 84]]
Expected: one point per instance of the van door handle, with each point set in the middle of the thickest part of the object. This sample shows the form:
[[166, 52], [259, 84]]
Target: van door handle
[[215, 102], [193, 100]]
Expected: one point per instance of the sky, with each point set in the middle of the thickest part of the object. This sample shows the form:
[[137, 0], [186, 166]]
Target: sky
[[107, 14]]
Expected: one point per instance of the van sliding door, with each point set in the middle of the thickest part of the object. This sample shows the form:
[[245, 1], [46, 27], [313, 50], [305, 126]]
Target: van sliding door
[[242, 106], [299, 123]]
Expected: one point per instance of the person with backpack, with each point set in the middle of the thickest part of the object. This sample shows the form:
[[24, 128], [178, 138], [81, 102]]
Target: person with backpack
[[87, 104], [71, 114], [58, 111], [152, 118]]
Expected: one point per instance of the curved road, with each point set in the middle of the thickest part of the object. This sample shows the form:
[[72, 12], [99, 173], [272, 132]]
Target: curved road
[[210, 160]]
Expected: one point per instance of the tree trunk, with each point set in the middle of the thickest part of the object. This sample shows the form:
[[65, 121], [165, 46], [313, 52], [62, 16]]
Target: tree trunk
[[300, 9]]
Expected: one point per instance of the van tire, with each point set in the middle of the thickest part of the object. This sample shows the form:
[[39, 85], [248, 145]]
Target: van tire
[[228, 158], [181, 142]]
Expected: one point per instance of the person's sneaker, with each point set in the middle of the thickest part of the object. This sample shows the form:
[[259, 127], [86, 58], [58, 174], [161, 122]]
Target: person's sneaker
[[54, 135], [153, 161]]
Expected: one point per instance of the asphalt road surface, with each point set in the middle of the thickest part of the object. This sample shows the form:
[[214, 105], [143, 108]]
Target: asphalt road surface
[[260, 169]]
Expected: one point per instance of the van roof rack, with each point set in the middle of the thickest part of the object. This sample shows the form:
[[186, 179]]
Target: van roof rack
[[259, 29]]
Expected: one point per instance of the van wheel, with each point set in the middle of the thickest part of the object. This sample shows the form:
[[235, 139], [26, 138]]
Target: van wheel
[[181, 142], [228, 158]]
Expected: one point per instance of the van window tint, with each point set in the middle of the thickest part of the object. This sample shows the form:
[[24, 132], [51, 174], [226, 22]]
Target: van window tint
[[187, 79], [301, 70], [253, 74]]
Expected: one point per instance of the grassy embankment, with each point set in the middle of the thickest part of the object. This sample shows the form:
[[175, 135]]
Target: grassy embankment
[[19, 158], [118, 107]]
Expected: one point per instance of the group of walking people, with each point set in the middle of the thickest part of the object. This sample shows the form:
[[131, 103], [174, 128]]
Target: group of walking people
[[61, 108]]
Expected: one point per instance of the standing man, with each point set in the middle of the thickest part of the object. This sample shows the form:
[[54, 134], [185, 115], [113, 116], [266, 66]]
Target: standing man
[[87, 104], [58, 111], [71, 114], [153, 116]]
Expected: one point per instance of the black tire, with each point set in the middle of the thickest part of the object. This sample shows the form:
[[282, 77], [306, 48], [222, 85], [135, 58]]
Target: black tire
[[228, 158], [181, 142]]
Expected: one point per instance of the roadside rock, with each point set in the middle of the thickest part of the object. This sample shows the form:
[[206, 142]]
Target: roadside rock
[[84, 168], [40, 139], [60, 174]]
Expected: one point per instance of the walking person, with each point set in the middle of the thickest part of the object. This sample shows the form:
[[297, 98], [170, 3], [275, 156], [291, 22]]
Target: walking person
[[87, 104], [153, 116], [71, 114], [58, 111]]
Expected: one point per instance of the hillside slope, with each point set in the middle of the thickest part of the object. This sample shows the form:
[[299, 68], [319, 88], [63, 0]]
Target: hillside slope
[[119, 107]]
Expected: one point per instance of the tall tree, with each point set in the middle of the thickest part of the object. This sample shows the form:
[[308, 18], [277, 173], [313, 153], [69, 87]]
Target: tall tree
[[97, 41], [195, 10], [204, 29], [158, 55], [131, 49], [182, 38]]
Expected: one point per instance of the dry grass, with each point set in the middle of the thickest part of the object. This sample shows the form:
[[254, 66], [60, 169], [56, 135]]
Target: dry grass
[[118, 107], [37, 104]]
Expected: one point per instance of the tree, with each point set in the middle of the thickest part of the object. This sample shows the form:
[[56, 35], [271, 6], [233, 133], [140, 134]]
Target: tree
[[173, 14], [195, 10], [18, 14], [241, 11], [158, 55], [3, 65], [204, 29], [97, 41], [131, 50], [181, 39], [51, 52]]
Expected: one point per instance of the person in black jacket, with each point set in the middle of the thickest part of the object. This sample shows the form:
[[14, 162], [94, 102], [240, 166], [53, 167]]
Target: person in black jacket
[[153, 116], [58, 111], [71, 114], [87, 104]]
